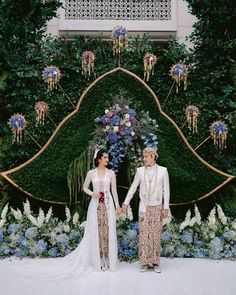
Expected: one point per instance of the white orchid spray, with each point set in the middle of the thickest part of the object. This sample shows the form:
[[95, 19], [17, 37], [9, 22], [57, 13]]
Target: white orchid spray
[[27, 209], [4, 215], [221, 215], [68, 215], [16, 213], [186, 221], [75, 219], [212, 217], [198, 218], [49, 215]]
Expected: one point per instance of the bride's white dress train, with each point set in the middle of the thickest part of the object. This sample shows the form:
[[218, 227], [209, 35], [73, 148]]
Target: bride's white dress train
[[86, 257]]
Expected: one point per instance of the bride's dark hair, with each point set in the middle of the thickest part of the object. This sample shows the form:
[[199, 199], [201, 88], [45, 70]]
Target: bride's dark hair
[[99, 155]]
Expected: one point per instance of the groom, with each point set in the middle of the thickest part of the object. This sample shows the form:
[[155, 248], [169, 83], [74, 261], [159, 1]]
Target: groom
[[153, 207]]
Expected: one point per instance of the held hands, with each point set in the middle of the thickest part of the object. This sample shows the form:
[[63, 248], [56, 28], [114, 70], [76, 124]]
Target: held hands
[[124, 208]]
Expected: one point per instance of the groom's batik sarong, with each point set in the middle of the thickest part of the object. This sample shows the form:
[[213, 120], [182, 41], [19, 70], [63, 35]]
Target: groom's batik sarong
[[150, 227]]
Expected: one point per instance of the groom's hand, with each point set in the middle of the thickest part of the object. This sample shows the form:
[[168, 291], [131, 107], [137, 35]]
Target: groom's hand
[[164, 213], [124, 208]]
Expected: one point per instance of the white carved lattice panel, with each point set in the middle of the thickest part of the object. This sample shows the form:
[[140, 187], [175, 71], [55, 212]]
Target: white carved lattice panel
[[118, 10]]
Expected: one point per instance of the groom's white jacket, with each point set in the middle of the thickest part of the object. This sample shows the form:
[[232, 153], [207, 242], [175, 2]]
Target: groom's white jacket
[[160, 194]]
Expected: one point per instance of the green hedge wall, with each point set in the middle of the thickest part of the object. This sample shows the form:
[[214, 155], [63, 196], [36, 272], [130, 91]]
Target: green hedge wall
[[46, 177]]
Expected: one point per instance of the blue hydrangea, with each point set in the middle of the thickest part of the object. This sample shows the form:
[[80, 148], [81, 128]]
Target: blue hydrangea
[[41, 246], [113, 137], [53, 252], [186, 237], [197, 242], [180, 252], [131, 112], [134, 225], [129, 252], [63, 239], [115, 120], [13, 228], [131, 234], [230, 235], [31, 232], [124, 243], [166, 236], [216, 245]]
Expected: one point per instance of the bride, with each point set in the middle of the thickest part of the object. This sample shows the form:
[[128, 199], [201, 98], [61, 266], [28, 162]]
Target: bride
[[98, 249]]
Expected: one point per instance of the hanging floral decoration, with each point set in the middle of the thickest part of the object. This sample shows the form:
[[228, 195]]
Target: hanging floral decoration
[[119, 38], [179, 73], [17, 123], [51, 75], [192, 114], [149, 62], [41, 109], [218, 131], [88, 60], [124, 133]]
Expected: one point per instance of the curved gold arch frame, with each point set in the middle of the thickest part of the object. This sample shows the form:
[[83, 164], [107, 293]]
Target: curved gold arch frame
[[6, 174]]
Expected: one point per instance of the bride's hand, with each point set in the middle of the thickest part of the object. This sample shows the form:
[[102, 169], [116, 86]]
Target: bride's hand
[[96, 195], [119, 210]]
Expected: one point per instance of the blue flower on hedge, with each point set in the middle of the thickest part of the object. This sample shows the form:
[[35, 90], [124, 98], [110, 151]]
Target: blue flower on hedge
[[197, 242], [53, 252], [180, 252], [131, 234], [129, 252], [41, 246], [186, 237], [166, 236], [124, 243], [104, 120], [215, 246], [132, 112], [31, 232], [5, 250], [115, 120], [134, 225], [13, 228], [1, 236], [63, 239], [113, 137], [23, 245], [230, 235]]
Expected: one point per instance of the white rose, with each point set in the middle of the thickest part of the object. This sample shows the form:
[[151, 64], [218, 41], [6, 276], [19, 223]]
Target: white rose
[[116, 129], [106, 111], [133, 133], [128, 124]]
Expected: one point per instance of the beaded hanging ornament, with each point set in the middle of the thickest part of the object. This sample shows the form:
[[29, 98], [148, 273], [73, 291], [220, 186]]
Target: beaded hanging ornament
[[192, 113], [119, 37], [41, 109], [88, 60], [17, 123], [149, 62], [179, 73], [218, 131], [51, 75]]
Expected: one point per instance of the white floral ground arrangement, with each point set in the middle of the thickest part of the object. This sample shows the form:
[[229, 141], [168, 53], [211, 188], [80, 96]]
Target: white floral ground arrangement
[[23, 234]]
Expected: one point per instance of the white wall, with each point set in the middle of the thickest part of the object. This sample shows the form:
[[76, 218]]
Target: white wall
[[180, 26]]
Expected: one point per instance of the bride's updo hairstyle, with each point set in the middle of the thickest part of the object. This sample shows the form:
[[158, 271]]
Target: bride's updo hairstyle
[[98, 156]]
